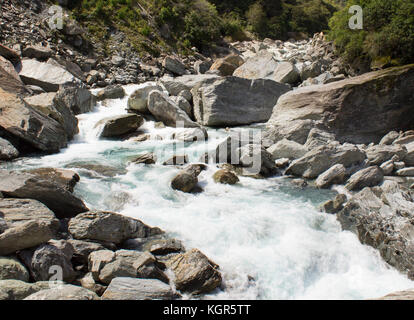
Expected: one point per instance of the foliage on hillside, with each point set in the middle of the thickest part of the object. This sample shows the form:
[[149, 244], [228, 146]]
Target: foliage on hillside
[[387, 37]]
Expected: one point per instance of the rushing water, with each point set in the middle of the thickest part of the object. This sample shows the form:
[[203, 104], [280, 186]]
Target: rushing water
[[268, 236]]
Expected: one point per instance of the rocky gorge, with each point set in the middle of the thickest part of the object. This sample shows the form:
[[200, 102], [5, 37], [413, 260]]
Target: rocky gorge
[[88, 154]]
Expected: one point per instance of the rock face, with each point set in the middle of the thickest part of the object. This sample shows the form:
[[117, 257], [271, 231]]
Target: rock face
[[261, 66], [7, 150], [320, 159], [64, 292], [45, 75], [29, 125], [358, 110], [235, 101], [381, 218], [28, 224], [138, 101], [120, 125], [28, 186], [107, 226], [368, 177], [164, 109], [138, 289], [194, 273], [11, 268]]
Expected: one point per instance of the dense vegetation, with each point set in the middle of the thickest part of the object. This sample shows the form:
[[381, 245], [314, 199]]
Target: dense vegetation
[[387, 37]]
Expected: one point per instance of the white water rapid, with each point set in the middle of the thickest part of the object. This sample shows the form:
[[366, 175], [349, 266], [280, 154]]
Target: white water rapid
[[268, 236]]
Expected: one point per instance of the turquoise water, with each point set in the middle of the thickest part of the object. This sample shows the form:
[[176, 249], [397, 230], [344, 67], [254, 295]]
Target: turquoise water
[[268, 236]]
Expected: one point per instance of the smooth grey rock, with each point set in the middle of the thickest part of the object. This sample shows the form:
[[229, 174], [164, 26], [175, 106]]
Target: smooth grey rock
[[334, 175], [64, 292], [107, 226], [217, 104], [138, 289], [368, 177]]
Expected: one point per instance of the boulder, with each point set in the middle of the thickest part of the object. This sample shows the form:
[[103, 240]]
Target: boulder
[[176, 85], [64, 292], [11, 268], [407, 295], [29, 125], [111, 92], [191, 135], [336, 205], [138, 289], [7, 150], [88, 282], [334, 175], [227, 65], [176, 160], [388, 167], [37, 52], [256, 160], [183, 104], [174, 65], [261, 66], [216, 104], [18, 290], [369, 177], [120, 125], [24, 185], [317, 138], [146, 158], [320, 159], [166, 110], [75, 98], [406, 172], [202, 67], [381, 218], [225, 177], [82, 249], [138, 100], [286, 72], [45, 75], [379, 154], [42, 259], [287, 149], [63, 177], [194, 272], [357, 110], [107, 226], [9, 79], [389, 138], [184, 181]]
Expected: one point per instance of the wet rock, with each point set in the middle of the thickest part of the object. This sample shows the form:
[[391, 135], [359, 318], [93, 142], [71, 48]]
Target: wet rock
[[225, 177], [146, 158], [166, 110], [215, 103], [34, 128], [138, 289], [45, 75], [120, 125], [184, 181], [334, 175], [368, 177], [64, 292], [191, 135], [194, 273], [18, 290], [100, 169], [107, 226], [7, 150], [11, 268], [176, 160], [336, 205], [111, 92], [29, 186], [138, 101]]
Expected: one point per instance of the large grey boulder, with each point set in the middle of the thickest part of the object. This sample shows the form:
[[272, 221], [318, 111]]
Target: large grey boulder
[[138, 289], [138, 101], [358, 110], [120, 125], [176, 85], [320, 159], [381, 218], [7, 150], [24, 185], [235, 101], [64, 292], [42, 259], [194, 272], [286, 72], [368, 177], [74, 98], [111, 92], [11, 268], [18, 290], [166, 110], [34, 128], [334, 175], [287, 149], [107, 226], [261, 66], [45, 75], [28, 224]]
